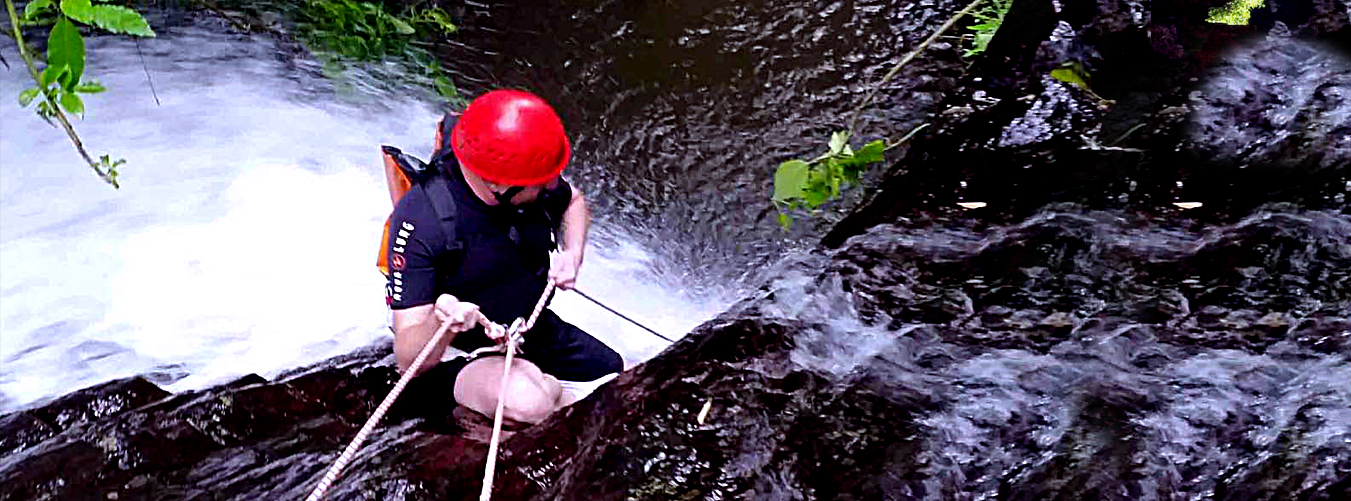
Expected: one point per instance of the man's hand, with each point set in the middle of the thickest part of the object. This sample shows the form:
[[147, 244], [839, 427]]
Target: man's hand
[[464, 316], [563, 271], [461, 315]]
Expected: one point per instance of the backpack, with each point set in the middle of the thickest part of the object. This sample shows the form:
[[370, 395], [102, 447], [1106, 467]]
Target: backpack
[[404, 172]]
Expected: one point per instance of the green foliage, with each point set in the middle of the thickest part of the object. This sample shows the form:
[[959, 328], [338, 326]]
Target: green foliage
[[110, 166], [342, 31], [35, 7], [60, 81], [59, 84], [1236, 12], [26, 97], [1071, 73], [1074, 73], [801, 183], [988, 20], [72, 103], [116, 19], [65, 51]]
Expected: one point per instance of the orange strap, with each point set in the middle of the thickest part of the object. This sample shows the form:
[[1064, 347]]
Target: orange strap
[[398, 184]]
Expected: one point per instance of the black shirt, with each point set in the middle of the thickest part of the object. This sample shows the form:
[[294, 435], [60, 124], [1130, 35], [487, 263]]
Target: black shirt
[[499, 259]]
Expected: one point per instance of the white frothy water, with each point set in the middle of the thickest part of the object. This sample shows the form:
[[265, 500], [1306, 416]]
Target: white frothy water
[[244, 237]]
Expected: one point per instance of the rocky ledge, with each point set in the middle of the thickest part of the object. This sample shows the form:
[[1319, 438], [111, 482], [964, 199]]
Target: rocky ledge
[[1080, 341]]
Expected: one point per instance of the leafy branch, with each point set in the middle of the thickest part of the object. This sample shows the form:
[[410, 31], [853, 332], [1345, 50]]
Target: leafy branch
[[59, 84], [810, 183], [988, 20]]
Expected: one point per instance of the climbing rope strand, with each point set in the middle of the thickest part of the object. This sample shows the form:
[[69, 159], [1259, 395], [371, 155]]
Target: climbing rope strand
[[620, 315], [489, 468], [380, 411], [539, 306], [347, 454], [513, 334]]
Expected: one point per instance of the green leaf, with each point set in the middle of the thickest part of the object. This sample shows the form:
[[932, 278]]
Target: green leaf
[[817, 190], [438, 17], [118, 19], [90, 87], [1067, 76], [399, 25], [789, 180], [837, 142], [445, 87], [114, 18], [1071, 73], [79, 10], [1237, 12], [871, 153], [72, 103], [27, 96], [785, 221], [816, 195], [851, 168], [65, 47], [34, 7], [53, 73], [833, 176]]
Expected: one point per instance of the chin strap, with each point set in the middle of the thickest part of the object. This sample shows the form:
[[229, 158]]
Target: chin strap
[[505, 197]]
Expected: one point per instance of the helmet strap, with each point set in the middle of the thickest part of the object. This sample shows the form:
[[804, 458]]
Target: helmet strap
[[505, 197]]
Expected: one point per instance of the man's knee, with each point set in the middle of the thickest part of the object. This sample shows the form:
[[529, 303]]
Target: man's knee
[[530, 394], [530, 398]]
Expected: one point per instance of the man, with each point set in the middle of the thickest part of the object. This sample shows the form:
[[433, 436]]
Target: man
[[501, 162]]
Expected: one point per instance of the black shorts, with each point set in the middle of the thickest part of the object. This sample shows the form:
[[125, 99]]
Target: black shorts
[[558, 348]]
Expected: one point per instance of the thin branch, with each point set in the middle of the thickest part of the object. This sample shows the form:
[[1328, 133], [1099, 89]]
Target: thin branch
[[65, 123], [907, 136], [878, 86], [147, 73], [1123, 136]]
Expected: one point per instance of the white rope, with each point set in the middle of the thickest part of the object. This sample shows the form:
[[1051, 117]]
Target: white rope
[[512, 337], [351, 450]]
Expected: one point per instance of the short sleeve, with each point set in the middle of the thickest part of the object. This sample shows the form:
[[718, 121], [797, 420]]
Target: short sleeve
[[556, 200], [414, 241]]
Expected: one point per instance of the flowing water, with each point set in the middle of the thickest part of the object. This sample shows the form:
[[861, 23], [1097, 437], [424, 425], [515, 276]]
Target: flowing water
[[243, 238], [1083, 351]]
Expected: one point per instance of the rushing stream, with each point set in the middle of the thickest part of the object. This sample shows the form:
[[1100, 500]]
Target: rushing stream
[[1080, 337], [243, 238]]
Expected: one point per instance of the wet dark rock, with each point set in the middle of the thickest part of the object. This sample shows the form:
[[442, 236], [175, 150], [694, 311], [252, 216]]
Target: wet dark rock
[[821, 385], [25, 428], [1079, 339], [1180, 110]]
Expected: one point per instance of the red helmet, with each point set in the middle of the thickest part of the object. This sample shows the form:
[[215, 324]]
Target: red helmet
[[511, 137]]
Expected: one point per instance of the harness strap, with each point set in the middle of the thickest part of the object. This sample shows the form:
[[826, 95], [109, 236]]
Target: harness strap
[[437, 189]]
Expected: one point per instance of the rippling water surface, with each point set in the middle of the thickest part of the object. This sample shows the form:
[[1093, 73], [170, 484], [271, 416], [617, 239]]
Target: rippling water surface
[[244, 236], [1134, 353]]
